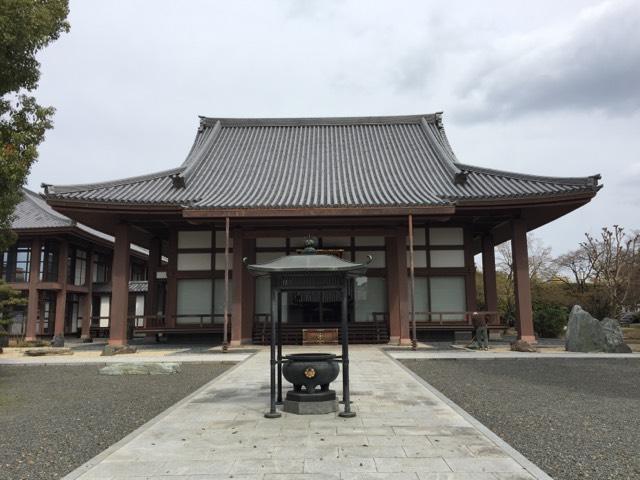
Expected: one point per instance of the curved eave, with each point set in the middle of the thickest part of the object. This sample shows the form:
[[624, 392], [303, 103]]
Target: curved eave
[[530, 200]]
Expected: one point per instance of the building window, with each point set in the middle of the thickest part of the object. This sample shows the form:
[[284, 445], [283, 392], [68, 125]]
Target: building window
[[138, 272], [77, 266], [22, 263], [446, 236], [448, 298], [101, 268], [194, 301], [370, 299], [49, 262], [194, 239], [194, 261]]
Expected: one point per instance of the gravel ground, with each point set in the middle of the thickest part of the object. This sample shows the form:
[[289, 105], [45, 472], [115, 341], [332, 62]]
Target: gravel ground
[[574, 418], [55, 418]]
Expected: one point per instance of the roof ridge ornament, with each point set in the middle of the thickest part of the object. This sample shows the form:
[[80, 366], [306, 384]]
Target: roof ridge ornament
[[177, 181], [309, 247], [461, 177]]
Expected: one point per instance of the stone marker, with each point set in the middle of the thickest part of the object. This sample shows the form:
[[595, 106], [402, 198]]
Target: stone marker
[[522, 346], [110, 350], [586, 334], [39, 352], [140, 369]]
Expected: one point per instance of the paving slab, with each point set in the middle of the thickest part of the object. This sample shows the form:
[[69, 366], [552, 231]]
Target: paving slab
[[403, 430]]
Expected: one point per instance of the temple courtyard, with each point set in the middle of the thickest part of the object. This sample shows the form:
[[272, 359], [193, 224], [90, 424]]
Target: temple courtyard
[[571, 414]]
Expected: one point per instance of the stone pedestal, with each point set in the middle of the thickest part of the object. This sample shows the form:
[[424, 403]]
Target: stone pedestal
[[316, 403]]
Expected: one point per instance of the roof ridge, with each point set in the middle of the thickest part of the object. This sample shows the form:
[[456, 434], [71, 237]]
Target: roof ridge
[[80, 187], [318, 121], [590, 180]]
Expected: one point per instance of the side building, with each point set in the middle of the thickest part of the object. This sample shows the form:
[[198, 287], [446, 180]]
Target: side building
[[64, 270]]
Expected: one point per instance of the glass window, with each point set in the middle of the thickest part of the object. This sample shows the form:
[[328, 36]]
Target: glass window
[[194, 239], [448, 295], [418, 237], [101, 268], [446, 236], [105, 311], [328, 242], [194, 261], [5, 264], [194, 300], [220, 236], [447, 258], [271, 242], [419, 259], [23, 263], [138, 272], [49, 262], [365, 241], [378, 258], [220, 261], [79, 263], [370, 298]]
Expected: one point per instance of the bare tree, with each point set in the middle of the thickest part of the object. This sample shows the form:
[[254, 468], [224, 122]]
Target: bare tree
[[580, 266], [542, 266], [615, 258]]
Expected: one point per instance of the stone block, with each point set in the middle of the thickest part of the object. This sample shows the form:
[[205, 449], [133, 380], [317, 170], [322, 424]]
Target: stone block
[[310, 408], [140, 369], [110, 350], [39, 352]]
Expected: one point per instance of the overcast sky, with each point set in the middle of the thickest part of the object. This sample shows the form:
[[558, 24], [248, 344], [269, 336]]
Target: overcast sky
[[542, 87]]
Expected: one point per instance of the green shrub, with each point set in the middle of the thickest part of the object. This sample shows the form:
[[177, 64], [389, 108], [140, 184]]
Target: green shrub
[[549, 321]]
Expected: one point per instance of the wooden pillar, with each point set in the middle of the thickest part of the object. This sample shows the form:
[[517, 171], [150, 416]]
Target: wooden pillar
[[242, 306], [61, 298], [398, 289], [172, 282], [470, 278], [34, 278], [155, 258], [489, 273], [120, 286], [524, 311], [87, 300]]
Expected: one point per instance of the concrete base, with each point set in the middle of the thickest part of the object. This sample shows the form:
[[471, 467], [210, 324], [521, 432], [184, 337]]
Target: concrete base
[[531, 339], [86, 339], [310, 408]]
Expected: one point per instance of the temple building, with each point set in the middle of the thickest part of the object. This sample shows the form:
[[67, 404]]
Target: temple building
[[252, 190], [63, 268]]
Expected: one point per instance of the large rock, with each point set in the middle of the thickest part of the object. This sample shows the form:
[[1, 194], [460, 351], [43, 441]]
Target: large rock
[[613, 336], [111, 350], [140, 369], [39, 352], [587, 334]]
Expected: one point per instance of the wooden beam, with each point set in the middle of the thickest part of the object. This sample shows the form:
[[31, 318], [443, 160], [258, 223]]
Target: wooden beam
[[33, 297], [489, 273], [522, 284], [120, 286]]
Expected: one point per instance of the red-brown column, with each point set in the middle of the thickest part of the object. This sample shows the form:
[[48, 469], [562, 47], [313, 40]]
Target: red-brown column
[[489, 273], [172, 281], [87, 300], [398, 289], [150, 302], [470, 279], [34, 278], [120, 286], [242, 305], [524, 312], [61, 298]]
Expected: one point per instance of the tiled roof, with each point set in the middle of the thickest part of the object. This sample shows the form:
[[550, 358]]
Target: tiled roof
[[33, 213], [321, 162]]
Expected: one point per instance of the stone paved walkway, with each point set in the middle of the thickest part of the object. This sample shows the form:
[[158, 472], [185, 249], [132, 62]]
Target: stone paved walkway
[[403, 431]]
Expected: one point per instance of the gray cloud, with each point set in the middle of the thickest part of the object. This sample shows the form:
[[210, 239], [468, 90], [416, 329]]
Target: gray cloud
[[591, 64]]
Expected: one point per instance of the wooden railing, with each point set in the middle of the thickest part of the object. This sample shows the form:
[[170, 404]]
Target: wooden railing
[[375, 331], [426, 320]]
